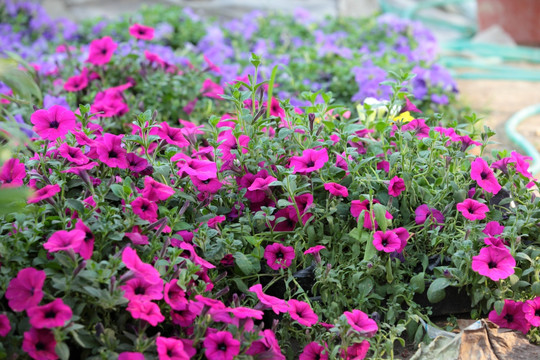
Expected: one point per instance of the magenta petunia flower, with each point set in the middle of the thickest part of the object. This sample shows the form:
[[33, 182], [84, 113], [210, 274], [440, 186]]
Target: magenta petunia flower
[[278, 305], [111, 152], [210, 186], [472, 209], [175, 296], [196, 259], [278, 256], [40, 344], [261, 184], [229, 142], [212, 90], [266, 347], [358, 206], [403, 235], [522, 165], [101, 51], [141, 32], [136, 163], [493, 228], [184, 315], [145, 310], [357, 351], [221, 345], [418, 127], [87, 245], [531, 308], [495, 241], [25, 290], [213, 222], [140, 289], [314, 351], [73, 154], [409, 106], [53, 123], [146, 209], [48, 191], [386, 241], [424, 212], [171, 349], [511, 317], [201, 169], [484, 176], [135, 264], [128, 355], [302, 312], [494, 262], [5, 325], [12, 173], [63, 240], [170, 134], [53, 314], [396, 186], [336, 189], [361, 322], [156, 191], [77, 82], [311, 160]]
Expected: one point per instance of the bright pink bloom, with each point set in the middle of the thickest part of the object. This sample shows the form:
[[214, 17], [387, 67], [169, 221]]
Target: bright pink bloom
[[494, 262], [136, 163], [275, 109], [212, 90], [336, 189], [314, 351], [25, 291], [50, 315], [141, 32], [145, 310], [358, 206], [170, 134], [63, 240], [171, 349], [210, 186], [522, 165], [403, 235], [46, 192], [196, 259], [311, 160], [266, 347], [134, 263], [53, 123], [511, 317], [156, 191], [87, 245], [73, 154], [221, 345], [302, 312], [386, 241], [140, 289], [5, 325], [396, 187], [262, 184], [184, 315], [127, 355], [531, 308], [278, 256], [357, 351], [493, 228], [201, 169], [111, 152], [472, 209], [213, 222], [495, 241], [424, 212], [409, 106], [39, 344], [77, 82], [12, 173], [175, 296], [101, 50], [278, 305], [361, 322], [229, 142], [484, 176], [146, 209], [418, 127]]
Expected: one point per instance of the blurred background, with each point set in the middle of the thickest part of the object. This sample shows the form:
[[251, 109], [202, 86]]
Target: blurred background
[[491, 47]]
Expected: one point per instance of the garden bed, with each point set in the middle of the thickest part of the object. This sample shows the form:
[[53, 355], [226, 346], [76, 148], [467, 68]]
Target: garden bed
[[174, 188]]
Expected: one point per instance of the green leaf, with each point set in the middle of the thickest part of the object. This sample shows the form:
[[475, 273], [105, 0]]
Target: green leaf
[[436, 291], [118, 190], [62, 350], [418, 283], [13, 199], [76, 205], [370, 250], [389, 275], [380, 216], [243, 263], [19, 81], [499, 305]]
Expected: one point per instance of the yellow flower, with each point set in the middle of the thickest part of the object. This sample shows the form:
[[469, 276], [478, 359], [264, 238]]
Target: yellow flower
[[403, 117]]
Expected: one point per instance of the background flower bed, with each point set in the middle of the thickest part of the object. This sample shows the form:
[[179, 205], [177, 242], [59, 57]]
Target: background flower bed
[[145, 235]]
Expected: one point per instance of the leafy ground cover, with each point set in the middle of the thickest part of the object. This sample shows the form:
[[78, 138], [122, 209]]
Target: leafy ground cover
[[267, 188]]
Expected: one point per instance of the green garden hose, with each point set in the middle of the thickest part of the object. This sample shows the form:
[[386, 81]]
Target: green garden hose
[[511, 129]]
